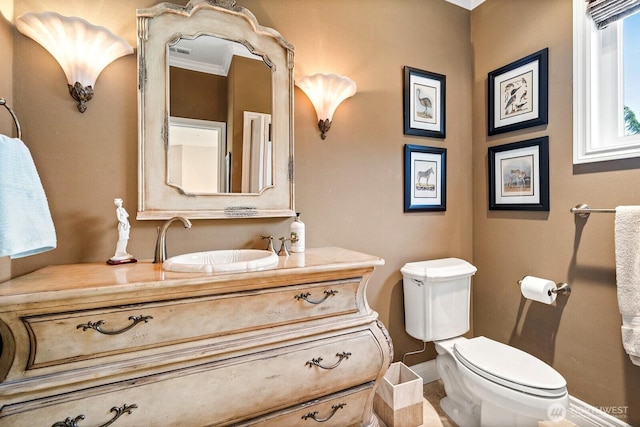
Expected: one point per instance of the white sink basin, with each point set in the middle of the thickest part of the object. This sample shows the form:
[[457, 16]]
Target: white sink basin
[[234, 260]]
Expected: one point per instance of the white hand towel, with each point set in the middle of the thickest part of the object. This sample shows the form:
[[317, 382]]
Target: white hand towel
[[26, 227], [631, 337], [627, 245]]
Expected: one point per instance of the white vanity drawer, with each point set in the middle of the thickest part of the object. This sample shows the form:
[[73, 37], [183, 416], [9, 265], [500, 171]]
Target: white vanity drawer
[[61, 338], [219, 393], [344, 409]]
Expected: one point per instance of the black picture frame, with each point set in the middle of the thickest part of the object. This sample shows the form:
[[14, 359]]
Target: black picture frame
[[425, 178], [519, 175], [424, 103], [519, 94]]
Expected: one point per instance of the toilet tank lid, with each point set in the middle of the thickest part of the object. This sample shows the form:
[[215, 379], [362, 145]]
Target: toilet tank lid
[[439, 269]]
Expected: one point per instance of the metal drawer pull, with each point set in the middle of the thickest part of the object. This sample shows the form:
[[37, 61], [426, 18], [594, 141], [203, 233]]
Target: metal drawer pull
[[316, 362], [73, 422], [97, 325], [313, 414], [305, 296]]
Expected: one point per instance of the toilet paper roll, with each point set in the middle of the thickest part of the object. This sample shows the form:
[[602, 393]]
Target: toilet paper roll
[[538, 289]]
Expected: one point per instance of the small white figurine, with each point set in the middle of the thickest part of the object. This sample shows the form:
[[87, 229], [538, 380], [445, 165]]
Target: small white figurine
[[121, 256]]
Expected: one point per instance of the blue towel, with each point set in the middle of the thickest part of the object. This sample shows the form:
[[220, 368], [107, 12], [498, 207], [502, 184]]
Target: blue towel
[[26, 227]]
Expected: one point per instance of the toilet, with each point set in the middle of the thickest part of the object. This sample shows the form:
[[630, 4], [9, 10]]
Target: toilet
[[487, 383]]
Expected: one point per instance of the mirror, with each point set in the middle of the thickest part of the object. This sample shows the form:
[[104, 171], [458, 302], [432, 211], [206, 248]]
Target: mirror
[[216, 118], [213, 82]]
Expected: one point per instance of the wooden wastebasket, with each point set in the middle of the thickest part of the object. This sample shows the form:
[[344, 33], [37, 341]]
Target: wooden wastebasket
[[398, 400]]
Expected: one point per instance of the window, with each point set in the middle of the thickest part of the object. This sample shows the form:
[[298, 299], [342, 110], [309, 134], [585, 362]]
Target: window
[[631, 83], [606, 88]]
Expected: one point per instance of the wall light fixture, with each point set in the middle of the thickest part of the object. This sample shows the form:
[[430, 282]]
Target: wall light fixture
[[326, 92], [82, 49]]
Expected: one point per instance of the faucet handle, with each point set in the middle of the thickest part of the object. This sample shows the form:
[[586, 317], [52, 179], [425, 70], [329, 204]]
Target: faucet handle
[[270, 244], [283, 247]]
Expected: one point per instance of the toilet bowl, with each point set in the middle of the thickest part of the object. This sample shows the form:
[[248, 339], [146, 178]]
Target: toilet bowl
[[487, 383], [492, 384]]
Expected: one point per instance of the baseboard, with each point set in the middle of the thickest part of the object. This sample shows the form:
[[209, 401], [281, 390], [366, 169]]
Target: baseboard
[[580, 413], [584, 415], [427, 370]]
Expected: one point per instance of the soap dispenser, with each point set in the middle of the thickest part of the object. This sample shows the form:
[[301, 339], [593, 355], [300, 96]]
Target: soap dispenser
[[297, 234]]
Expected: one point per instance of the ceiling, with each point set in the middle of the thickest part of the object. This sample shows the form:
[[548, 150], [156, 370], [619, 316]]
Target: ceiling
[[467, 4], [207, 54]]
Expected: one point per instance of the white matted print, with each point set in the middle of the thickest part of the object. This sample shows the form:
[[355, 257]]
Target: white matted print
[[518, 94], [517, 103], [424, 103], [425, 178], [519, 175], [516, 176]]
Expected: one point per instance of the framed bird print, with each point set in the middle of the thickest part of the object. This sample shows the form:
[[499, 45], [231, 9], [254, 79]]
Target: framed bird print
[[519, 93], [424, 103]]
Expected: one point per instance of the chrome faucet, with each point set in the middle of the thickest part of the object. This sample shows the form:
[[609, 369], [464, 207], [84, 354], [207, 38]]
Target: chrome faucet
[[161, 242]]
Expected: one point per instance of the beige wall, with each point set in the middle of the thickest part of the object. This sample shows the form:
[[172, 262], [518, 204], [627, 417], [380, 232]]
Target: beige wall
[[6, 91], [197, 95], [249, 86], [6, 82], [579, 336], [349, 187]]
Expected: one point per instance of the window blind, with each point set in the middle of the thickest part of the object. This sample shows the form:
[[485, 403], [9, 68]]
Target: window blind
[[605, 12]]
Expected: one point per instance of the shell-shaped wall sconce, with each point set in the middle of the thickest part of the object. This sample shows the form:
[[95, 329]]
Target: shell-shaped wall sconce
[[326, 92], [82, 49]]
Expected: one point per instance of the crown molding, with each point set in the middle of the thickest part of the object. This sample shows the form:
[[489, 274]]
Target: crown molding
[[467, 4]]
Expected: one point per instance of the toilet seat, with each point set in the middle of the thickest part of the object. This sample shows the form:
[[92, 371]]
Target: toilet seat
[[503, 364]]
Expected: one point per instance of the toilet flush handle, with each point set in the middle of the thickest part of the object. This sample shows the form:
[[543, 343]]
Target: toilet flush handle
[[418, 282]]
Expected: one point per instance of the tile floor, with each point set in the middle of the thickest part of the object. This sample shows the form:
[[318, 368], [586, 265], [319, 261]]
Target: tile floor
[[432, 415]]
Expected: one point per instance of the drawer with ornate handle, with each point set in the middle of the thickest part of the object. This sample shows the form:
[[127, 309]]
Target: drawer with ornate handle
[[61, 338], [342, 409], [217, 393]]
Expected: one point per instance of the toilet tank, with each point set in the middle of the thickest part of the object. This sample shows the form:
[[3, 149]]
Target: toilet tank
[[436, 298]]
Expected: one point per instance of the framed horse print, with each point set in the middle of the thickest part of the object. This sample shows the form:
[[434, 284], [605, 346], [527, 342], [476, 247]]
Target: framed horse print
[[519, 176], [425, 178]]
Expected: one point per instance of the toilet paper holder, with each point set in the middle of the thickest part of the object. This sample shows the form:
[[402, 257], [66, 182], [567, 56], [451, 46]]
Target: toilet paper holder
[[561, 288]]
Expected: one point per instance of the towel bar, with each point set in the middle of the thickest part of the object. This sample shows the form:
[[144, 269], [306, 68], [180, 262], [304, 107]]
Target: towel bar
[[583, 210], [15, 119]]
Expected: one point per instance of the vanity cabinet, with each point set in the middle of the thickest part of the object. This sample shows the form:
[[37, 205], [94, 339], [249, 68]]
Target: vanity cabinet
[[133, 345]]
